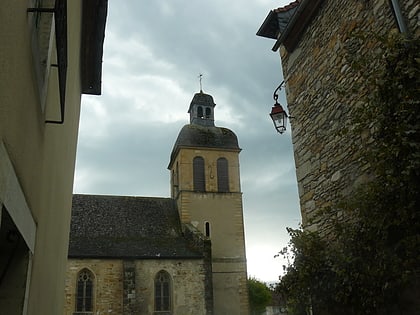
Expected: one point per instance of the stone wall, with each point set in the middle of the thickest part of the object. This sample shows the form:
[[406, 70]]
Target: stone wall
[[224, 214], [187, 280], [126, 287], [202, 244], [108, 285], [323, 91]]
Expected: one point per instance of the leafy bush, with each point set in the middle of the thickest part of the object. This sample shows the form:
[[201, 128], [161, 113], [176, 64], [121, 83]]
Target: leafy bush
[[259, 296]]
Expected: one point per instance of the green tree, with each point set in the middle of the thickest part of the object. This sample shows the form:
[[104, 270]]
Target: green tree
[[259, 296], [369, 261]]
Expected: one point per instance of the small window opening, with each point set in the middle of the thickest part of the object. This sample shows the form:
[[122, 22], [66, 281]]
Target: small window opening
[[200, 112], [208, 112], [207, 228]]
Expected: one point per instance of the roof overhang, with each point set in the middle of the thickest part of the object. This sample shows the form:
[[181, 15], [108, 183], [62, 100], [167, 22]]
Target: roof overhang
[[270, 26], [93, 35], [297, 25]]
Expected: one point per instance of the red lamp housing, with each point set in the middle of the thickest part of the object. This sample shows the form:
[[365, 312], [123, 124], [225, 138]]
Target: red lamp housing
[[279, 117]]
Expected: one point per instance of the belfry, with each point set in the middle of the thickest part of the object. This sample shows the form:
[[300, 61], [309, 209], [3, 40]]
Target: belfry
[[205, 184]]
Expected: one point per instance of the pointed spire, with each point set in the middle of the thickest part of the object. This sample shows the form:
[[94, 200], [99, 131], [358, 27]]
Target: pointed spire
[[200, 77]]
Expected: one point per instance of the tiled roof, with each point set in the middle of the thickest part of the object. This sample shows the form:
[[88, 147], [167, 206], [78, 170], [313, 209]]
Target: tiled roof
[[287, 7], [122, 226], [297, 24], [276, 21]]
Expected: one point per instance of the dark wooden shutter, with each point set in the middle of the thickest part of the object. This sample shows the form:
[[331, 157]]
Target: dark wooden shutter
[[198, 174], [222, 175]]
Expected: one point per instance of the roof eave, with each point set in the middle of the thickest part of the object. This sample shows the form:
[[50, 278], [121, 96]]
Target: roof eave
[[303, 16], [93, 35], [138, 257], [270, 23]]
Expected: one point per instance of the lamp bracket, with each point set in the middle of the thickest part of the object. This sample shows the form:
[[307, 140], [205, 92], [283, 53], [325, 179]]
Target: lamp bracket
[[275, 95]]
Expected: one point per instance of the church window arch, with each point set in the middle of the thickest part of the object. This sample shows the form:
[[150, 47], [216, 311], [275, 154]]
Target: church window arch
[[84, 291], [200, 112], [222, 175], [199, 174], [162, 292], [208, 112]]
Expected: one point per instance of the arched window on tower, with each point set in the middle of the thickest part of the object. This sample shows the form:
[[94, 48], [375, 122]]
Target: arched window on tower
[[208, 112], [207, 228], [175, 181], [162, 292], [200, 112], [222, 175], [84, 292], [198, 174]]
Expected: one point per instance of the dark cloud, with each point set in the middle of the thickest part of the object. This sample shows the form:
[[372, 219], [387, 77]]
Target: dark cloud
[[153, 55]]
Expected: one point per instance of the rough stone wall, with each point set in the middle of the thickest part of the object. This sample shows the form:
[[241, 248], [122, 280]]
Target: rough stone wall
[[108, 285], [322, 95], [199, 242], [127, 287], [129, 278], [187, 281]]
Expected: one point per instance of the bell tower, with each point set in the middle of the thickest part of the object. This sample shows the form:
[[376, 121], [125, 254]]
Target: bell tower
[[205, 182]]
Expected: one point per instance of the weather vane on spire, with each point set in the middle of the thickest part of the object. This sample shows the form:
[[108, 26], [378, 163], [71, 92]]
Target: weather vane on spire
[[200, 77]]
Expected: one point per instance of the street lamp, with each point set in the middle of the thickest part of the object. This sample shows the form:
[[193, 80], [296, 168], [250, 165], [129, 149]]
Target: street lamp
[[278, 114]]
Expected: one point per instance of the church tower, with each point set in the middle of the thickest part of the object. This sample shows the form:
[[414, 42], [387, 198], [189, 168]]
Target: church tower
[[205, 183]]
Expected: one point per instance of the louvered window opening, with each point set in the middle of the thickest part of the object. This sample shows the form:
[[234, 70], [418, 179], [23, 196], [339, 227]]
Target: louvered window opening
[[200, 112], [198, 174], [222, 175]]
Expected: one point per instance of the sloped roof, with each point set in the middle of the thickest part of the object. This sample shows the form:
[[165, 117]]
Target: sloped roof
[[287, 24], [276, 21], [122, 226], [306, 11]]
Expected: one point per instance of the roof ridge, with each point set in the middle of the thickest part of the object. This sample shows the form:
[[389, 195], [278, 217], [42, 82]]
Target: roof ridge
[[288, 6], [122, 196]]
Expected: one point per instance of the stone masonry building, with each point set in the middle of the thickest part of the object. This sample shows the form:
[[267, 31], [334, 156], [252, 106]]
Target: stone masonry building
[[123, 245], [316, 48], [183, 255]]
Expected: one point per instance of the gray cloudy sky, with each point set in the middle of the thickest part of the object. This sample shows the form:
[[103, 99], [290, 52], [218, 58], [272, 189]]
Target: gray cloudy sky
[[154, 51]]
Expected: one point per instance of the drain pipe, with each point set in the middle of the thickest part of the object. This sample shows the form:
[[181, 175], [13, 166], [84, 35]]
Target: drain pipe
[[399, 17]]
